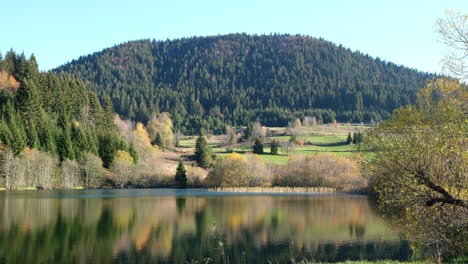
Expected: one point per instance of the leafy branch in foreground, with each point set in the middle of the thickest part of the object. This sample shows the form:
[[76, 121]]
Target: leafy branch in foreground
[[418, 164]]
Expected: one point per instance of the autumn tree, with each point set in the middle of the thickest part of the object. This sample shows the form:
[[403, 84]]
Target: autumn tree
[[322, 170], [418, 165], [162, 124], [70, 174], [230, 139], [236, 170], [181, 175], [142, 144], [91, 170], [122, 168], [258, 131]]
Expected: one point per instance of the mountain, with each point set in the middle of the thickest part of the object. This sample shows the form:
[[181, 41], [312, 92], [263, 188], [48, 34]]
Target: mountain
[[238, 78]]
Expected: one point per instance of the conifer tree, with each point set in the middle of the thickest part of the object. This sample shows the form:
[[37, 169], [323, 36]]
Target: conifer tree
[[133, 153], [107, 149], [65, 146], [158, 141], [202, 152], [258, 146], [28, 102], [349, 139], [274, 147], [181, 175]]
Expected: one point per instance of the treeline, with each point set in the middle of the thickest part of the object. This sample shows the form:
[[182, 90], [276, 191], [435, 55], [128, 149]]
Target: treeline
[[53, 132], [235, 79]]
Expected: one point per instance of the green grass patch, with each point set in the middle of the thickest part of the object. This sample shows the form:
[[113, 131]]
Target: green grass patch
[[27, 189]]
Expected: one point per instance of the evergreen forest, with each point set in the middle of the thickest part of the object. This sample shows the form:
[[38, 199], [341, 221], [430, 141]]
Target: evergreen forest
[[210, 82]]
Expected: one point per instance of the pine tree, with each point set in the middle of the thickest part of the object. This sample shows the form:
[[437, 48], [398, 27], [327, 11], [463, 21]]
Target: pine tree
[[108, 113], [133, 153], [359, 137], [202, 152], [28, 102], [65, 145], [107, 149], [258, 146], [274, 147], [158, 141], [181, 175], [355, 138], [349, 139]]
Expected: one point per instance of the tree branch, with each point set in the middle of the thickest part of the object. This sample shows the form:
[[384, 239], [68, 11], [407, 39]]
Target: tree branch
[[447, 197]]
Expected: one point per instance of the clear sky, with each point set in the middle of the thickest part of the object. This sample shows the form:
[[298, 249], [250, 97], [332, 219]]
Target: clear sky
[[58, 31]]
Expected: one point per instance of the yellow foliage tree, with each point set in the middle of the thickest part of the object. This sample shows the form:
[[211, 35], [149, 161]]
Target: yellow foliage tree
[[418, 163], [236, 170], [163, 125], [142, 144], [122, 168]]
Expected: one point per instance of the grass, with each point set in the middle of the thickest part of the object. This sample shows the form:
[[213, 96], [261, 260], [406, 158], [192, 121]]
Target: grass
[[319, 139]]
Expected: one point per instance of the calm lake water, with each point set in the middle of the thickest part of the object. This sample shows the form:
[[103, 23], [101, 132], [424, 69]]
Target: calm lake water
[[174, 226]]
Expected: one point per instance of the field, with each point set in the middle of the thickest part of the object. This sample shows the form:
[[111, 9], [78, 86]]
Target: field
[[317, 139]]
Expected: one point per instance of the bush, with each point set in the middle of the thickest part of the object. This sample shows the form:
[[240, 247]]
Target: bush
[[236, 170], [323, 170]]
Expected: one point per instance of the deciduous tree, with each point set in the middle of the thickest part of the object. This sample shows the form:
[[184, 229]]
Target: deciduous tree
[[418, 164]]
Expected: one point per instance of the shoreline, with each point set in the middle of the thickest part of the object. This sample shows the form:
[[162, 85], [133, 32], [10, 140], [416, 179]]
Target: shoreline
[[227, 190]]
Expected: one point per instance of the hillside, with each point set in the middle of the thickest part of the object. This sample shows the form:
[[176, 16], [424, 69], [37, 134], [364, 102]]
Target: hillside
[[52, 114], [235, 79]]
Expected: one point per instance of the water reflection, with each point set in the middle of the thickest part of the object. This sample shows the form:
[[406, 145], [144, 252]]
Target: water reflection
[[128, 226]]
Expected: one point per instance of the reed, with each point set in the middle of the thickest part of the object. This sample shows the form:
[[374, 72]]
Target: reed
[[274, 189]]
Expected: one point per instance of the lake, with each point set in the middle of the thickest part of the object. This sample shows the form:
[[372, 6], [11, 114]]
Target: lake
[[179, 226]]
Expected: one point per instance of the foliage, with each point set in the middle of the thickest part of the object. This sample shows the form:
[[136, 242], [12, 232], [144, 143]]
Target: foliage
[[161, 125], [122, 168], [358, 137], [322, 170], [158, 141], [258, 146], [181, 175], [234, 79], [236, 170], [51, 113], [91, 170], [418, 164], [31, 168], [274, 146], [203, 154]]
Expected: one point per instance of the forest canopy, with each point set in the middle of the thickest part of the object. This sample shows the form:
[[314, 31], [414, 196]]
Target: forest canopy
[[236, 79]]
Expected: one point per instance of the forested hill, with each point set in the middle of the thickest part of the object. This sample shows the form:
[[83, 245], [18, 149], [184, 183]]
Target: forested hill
[[238, 78]]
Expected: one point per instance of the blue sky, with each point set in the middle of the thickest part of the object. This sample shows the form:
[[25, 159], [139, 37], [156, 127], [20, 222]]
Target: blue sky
[[58, 31]]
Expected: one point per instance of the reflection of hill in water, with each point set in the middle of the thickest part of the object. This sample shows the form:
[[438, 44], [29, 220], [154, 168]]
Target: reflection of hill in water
[[177, 228]]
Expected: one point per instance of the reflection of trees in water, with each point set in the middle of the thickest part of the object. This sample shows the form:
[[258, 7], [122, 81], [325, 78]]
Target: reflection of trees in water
[[174, 229]]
